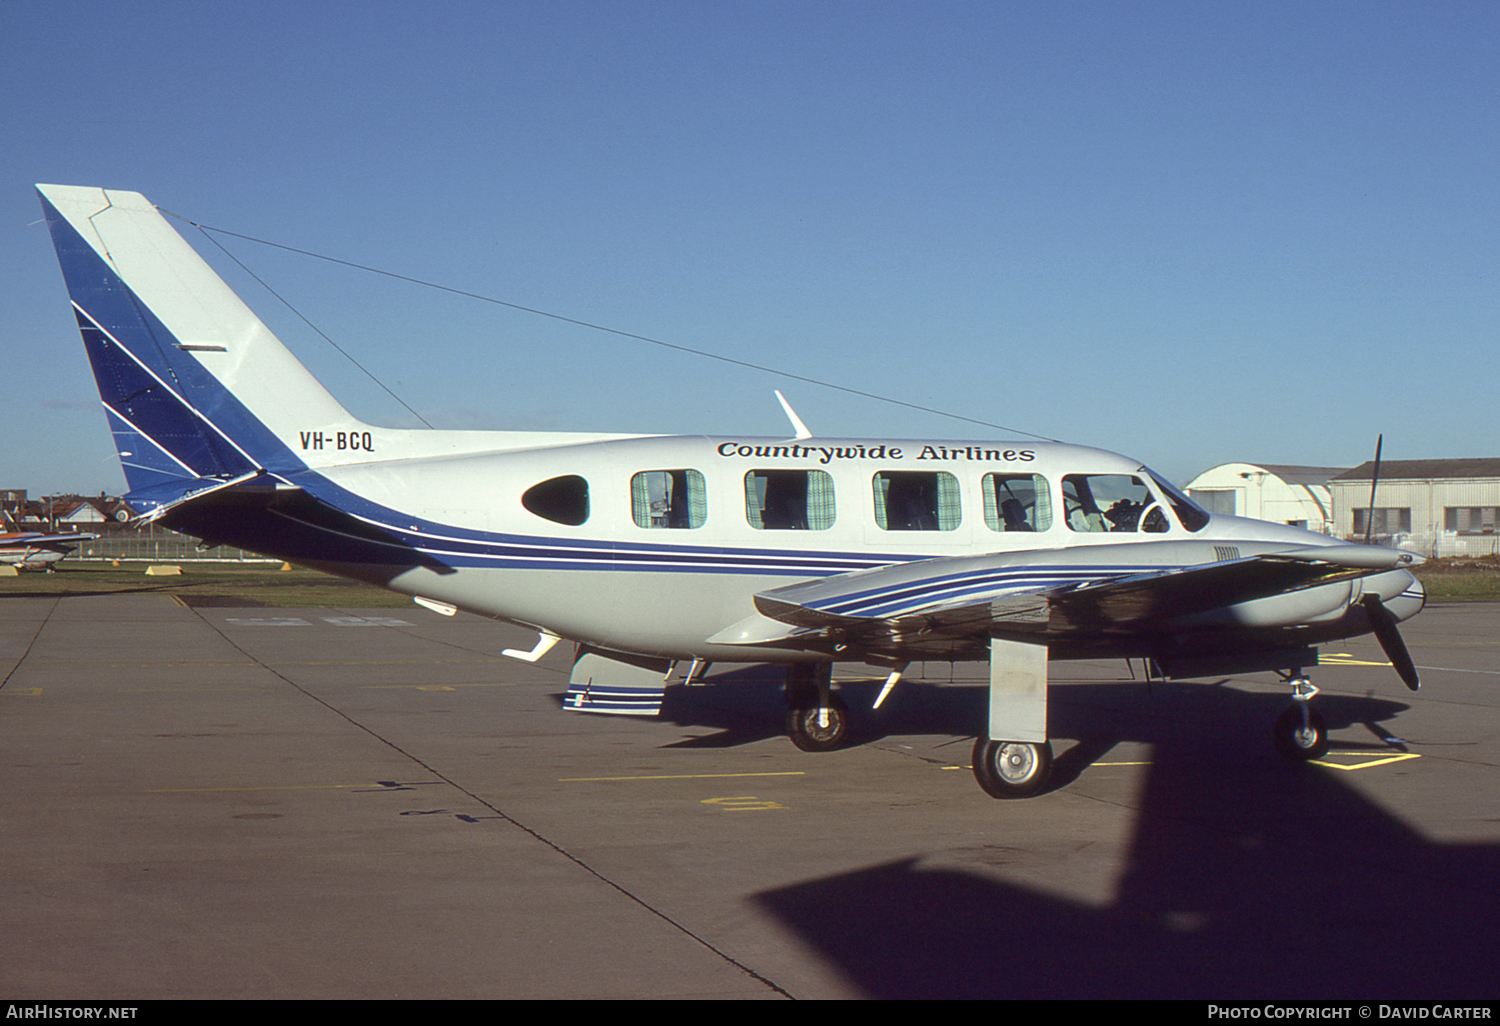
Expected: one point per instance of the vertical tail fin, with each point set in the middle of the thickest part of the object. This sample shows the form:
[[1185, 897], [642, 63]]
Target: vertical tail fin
[[195, 386]]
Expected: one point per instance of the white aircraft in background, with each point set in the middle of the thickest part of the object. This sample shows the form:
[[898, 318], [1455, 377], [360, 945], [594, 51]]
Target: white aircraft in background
[[643, 550], [32, 550]]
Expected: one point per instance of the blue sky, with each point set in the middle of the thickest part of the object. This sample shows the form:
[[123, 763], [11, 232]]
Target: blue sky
[[1191, 232]]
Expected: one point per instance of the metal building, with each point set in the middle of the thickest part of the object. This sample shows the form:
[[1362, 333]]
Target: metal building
[[1282, 494], [1435, 507]]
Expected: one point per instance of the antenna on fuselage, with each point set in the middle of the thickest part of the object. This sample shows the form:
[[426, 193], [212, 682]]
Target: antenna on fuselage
[[797, 424]]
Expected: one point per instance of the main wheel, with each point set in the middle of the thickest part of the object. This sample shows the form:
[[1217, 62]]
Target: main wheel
[[1012, 769], [1298, 742], [811, 731]]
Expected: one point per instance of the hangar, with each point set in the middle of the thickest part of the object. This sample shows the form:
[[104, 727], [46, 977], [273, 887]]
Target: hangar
[[1435, 507], [1288, 495]]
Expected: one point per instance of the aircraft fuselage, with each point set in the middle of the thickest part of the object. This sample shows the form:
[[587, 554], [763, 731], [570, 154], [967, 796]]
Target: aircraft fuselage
[[657, 544]]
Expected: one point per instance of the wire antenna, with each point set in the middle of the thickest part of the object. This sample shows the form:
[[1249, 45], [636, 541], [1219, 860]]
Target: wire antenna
[[368, 373], [595, 327]]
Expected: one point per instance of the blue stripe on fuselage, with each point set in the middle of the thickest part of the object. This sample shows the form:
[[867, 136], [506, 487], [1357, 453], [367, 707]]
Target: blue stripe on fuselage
[[467, 547]]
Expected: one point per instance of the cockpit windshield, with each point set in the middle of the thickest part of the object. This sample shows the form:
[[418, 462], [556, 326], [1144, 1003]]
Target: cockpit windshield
[[1111, 503], [1191, 515]]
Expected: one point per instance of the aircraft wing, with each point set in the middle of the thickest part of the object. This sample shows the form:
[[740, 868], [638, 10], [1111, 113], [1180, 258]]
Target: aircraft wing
[[35, 538], [1086, 589]]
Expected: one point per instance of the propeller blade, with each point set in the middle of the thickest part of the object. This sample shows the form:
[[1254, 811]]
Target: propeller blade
[[1390, 640], [1374, 480]]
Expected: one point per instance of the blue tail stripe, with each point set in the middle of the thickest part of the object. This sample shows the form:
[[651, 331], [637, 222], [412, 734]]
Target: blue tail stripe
[[146, 464], [149, 408], [138, 367]]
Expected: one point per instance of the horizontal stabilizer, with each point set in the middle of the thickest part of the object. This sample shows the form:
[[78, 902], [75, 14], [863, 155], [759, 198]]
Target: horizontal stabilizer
[[155, 501]]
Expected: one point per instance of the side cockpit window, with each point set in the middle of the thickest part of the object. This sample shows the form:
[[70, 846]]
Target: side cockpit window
[[562, 500], [1191, 515], [1111, 503], [1017, 502], [916, 500], [668, 498], [789, 500]]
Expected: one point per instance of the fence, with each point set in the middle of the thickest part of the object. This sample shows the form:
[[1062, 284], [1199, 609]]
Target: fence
[[155, 544]]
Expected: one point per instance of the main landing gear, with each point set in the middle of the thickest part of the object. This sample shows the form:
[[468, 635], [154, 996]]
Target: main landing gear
[[817, 720], [1300, 733], [1012, 769]]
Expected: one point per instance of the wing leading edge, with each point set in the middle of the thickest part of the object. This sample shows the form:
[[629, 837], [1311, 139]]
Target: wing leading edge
[[1039, 595]]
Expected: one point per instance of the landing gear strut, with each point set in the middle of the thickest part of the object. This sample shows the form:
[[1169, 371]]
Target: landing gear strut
[[1017, 768], [817, 719], [1300, 733]]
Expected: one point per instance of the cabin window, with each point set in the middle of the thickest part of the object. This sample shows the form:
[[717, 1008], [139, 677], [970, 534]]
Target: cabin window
[[916, 500], [562, 500], [1017, 502], [668, 498], [1111, 503], [789, 500]]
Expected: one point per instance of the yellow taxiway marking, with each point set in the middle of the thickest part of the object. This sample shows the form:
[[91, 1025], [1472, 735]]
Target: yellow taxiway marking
[[1345, 659], [683, 776], [747, 803], [1369, 760]]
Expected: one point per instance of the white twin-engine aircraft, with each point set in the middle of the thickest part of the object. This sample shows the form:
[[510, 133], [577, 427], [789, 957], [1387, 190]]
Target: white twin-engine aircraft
[[646, 550]]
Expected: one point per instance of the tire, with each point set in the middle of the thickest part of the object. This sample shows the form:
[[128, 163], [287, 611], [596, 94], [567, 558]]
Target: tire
[[808, 734], [1012, 769], [1299, 744]]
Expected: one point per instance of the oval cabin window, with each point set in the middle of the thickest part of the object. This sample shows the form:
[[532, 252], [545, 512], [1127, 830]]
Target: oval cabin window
[[562, 500]]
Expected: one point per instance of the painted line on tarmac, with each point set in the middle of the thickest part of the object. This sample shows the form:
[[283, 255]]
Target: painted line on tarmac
[[1368, 760], [683, 776]]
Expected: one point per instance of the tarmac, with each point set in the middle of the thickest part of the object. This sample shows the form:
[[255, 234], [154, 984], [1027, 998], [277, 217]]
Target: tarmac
[[319, 803]]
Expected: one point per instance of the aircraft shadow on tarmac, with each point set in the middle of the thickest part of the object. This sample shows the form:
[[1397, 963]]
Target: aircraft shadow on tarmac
[[1302, 889], [1246, 877], [1258, 880]]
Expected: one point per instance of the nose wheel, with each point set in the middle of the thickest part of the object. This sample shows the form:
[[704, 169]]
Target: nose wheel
[[1300, 733]]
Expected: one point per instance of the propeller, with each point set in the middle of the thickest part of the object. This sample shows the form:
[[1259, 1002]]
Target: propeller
[[1374, 480], [1382, 621], [1384, 624]]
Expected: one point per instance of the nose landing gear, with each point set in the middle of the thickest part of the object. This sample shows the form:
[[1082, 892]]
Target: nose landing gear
[[1300, 733]]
